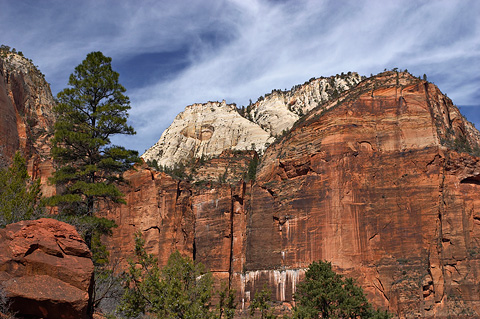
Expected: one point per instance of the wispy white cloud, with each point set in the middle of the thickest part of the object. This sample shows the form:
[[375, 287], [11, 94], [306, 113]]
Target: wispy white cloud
[[240, 49]]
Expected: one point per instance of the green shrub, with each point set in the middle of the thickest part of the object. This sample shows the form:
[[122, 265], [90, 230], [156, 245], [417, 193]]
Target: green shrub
[[19, 196], [182, 289], [252, 168], [326, 294]]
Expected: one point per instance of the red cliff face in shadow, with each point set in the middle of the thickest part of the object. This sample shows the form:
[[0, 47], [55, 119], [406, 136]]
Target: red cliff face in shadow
[[370, 182]]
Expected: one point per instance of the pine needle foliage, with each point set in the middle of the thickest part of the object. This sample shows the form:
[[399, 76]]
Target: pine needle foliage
[[19, 196], [226, 304], [262, 302], [182, 289], [89, 113], [326, 294], [252, 168]]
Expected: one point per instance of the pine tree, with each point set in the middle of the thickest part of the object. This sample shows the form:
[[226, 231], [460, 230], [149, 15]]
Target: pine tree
[[252, 167], [19, 196], [89, 113], [226, 304], [326, 294], [262, 301], [182, 289]]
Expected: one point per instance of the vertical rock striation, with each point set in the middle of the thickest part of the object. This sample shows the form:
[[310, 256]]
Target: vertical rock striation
[[160, 209], [381, 181], [370, 185], [26, 118], [381, 177]]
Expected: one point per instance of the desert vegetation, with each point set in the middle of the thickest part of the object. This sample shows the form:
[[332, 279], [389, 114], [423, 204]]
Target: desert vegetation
[[184, 289]]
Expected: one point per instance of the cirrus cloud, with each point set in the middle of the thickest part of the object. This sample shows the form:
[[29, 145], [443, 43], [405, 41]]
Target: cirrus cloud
[[174, 53]]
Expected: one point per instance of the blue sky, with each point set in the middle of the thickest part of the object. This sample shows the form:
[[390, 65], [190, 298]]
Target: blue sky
[[174, 53]]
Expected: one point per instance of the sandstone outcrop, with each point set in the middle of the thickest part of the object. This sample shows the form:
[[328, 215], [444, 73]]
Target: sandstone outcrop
[[229, 167], [205, 221], [381, 177], [46, 269], [369, 185], [379, 181], [206, 130], [279, 110], [26, 104], [159, 207]]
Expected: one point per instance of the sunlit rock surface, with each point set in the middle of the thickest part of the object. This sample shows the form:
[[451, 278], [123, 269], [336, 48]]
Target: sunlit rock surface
[[46, 269], [381, 181], [206, 130], [26, 118]]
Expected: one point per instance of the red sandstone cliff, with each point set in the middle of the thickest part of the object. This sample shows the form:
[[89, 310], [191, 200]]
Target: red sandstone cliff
[[368, 185], [378, 181], [26, 104], [369, 181]]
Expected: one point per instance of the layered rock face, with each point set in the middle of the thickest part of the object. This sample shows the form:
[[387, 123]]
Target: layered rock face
[[278, 111], [160, 208], [369, 186], [206, 130], [26, 104], [378, 177], [46, 269], [375, 181], [206, 221], [229, 167]]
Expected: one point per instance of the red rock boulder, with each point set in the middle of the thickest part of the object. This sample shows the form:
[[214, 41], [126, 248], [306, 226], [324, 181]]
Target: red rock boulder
[[46, 269]]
